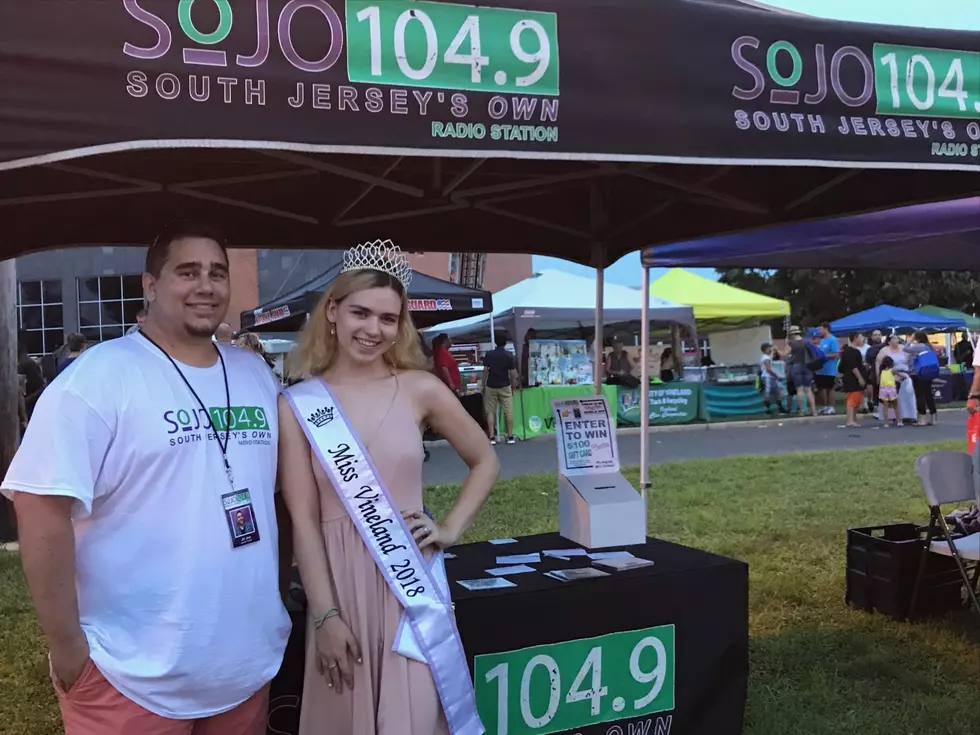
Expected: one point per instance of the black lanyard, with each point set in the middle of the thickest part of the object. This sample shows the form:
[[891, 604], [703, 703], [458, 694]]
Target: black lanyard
[[221, 445]]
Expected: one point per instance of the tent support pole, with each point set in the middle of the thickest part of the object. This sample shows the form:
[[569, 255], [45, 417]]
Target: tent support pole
[[9, 388], [598, 366], [492, 342], [645, 388]]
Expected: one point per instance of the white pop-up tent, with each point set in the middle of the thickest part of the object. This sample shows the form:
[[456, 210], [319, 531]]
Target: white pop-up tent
[[553, 302]]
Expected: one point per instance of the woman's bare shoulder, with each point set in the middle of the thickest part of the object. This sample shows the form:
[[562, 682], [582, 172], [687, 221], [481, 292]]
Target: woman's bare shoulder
[[419, 380]]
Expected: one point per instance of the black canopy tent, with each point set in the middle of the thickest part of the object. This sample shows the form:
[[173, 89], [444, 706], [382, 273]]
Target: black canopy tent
[[431, 301], [583, 129]]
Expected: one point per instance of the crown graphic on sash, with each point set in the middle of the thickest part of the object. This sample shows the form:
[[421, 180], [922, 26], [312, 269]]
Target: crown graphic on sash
[[322, 417], [379, 255]]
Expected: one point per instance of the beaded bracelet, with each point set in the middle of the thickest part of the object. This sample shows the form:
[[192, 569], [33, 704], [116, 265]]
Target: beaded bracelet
[[318, 623]]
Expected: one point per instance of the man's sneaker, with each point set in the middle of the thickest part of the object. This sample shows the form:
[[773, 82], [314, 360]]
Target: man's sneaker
[[493, 441], [511, 440]]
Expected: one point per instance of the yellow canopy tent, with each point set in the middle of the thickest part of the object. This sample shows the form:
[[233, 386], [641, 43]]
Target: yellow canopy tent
[[715, 303]]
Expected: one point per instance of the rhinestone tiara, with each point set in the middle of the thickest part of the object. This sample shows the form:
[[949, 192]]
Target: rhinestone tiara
[[379, 255]]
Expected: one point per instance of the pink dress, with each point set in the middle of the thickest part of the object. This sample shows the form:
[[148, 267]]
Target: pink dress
[[392, 695]]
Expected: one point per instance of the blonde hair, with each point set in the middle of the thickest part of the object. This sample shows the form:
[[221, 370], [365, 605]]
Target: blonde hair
[[317, 347]]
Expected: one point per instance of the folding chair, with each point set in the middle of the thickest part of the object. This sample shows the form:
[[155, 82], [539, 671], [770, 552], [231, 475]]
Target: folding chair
[[947, 477]]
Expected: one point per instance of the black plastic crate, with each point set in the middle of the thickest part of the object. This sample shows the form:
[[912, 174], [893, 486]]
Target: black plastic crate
[[882, 563]]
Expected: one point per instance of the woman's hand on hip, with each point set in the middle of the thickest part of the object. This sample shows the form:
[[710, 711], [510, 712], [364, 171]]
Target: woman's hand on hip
[[336, 646], [426, 531]]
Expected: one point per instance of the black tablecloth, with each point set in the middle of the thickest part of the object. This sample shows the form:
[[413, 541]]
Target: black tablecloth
[[703, 595]]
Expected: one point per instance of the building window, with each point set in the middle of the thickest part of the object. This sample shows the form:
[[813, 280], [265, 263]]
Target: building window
[[108, 305], [40, 316]]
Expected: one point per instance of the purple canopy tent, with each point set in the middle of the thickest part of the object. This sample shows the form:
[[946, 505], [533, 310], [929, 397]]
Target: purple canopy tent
[[937, 236]]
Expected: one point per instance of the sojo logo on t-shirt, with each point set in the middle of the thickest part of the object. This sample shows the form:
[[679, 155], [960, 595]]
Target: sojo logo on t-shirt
[[186, 425]]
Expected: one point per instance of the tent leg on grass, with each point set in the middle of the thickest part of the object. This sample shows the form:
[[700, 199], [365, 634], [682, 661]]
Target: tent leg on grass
[[597, 345], [645, 388]]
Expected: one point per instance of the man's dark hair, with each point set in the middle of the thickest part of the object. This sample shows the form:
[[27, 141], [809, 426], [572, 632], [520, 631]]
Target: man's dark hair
[[159, 251], [76, 342], [501, 338], [825, 325], [853, 336]]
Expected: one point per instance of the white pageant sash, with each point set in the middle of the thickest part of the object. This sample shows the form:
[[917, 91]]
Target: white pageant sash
[[390, 542], [405, 643]]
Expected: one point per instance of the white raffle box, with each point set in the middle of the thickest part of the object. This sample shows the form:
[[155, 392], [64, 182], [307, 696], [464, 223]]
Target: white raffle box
[[597, 507]]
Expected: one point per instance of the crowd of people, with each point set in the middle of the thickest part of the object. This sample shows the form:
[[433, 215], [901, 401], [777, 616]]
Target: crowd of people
[[884, 377]]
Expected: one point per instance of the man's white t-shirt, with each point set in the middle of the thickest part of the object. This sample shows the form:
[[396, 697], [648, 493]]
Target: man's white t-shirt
[[178, 619]]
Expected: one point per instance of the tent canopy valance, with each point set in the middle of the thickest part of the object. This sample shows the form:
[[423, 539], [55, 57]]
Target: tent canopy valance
[[716, 304], [288, 125], [935, 236], [431, 300], [894, 319], [557, 302]]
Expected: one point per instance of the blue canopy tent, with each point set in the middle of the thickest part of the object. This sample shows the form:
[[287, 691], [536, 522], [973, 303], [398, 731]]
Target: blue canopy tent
[[894, 318], [935, 236]]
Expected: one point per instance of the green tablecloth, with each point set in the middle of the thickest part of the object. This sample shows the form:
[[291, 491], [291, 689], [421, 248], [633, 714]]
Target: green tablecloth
[[676, 402], [532, 406]]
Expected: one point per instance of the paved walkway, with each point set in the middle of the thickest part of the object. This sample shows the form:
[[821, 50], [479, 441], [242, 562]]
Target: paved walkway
[[720, 440]]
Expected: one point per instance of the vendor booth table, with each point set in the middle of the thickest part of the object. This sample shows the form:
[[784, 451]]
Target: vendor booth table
[[663, 648]]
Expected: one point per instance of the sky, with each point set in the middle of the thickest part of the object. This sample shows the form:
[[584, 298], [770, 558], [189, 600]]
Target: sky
[[961, 15]]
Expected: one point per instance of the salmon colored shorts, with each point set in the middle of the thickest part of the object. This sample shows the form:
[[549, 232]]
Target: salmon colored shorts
[[94, 707], [854, 399]]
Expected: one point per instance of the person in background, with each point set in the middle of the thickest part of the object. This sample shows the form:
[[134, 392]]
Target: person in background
[[851, 366], [924, 369], [34, 378], [771, 391], [140, 320], [875, 346], [525, 352], [444, 365], [826, 376], [802, 375], [619, 369], [224, 334], [888, 390], [963, 350], [76, 344], [250, 341], [860, 343], [667, 364], [426, 350], [499, 380]]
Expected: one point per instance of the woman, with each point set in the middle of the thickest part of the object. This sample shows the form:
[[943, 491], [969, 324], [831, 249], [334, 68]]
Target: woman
[[361, 343], [924, 370], [800, 374], [906, 397]]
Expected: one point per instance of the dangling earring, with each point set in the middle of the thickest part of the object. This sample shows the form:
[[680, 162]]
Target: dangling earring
[[333, 329]]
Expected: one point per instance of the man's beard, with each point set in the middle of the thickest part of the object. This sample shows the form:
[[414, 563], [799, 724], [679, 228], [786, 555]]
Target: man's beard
[[200, 331]]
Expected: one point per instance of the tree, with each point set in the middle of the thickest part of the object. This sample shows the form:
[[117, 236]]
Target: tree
[[825, 295]]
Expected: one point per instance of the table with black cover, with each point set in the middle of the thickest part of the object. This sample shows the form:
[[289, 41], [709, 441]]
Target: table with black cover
[[554, 687], [702, 687]]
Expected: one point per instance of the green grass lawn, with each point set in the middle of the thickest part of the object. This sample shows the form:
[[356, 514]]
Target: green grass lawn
[[817, 668]]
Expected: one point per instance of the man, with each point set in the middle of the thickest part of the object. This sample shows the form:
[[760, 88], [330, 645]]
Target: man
[[852, 378], [618, 368], [499, 380], [143, 591], [34, 378], [876, 345], [224, 334], [963, 351], [76, 346], [826, 376], [801, 375], [140, 320]]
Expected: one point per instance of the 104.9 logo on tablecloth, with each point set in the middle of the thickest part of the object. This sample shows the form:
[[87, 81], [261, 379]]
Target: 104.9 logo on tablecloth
[[573, 684]]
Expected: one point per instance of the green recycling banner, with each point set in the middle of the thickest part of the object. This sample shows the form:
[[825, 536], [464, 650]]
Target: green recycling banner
[[670, 403], [532, 406]]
